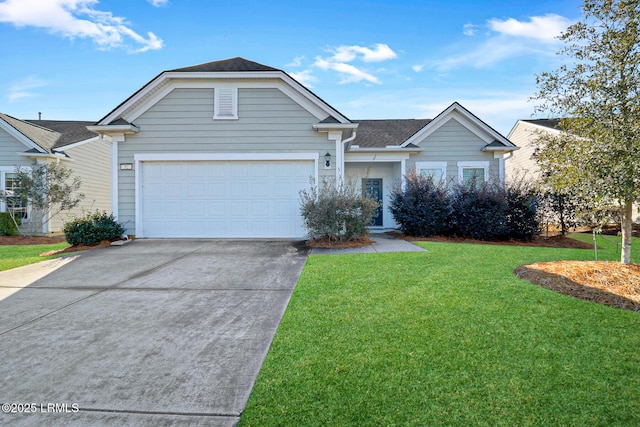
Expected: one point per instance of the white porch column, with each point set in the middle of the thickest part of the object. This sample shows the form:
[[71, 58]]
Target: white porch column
[[115, 170]]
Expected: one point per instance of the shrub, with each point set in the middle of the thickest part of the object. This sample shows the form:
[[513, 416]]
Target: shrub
[[336, 212], [480, 211], [92, 229], [522, 215], [8, 227], [422, 208]]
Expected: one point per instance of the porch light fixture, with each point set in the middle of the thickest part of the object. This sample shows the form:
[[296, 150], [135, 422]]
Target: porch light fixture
[[327, 160]]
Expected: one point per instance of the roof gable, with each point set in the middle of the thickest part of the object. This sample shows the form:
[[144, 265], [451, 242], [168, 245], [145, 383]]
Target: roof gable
[[32, 136], [46, 136], [538, 126], [237, 69], [456, 111]]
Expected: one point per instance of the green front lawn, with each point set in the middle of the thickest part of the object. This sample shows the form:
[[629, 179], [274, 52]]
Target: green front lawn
[[446, 337], [609, 247], [12, 256]]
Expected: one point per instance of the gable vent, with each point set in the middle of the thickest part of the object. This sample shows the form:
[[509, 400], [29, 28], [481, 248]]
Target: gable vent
[[225, 103]]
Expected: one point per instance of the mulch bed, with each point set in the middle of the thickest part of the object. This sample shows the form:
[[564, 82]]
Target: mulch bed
[[603, 282], [35, 240], [355, 242]]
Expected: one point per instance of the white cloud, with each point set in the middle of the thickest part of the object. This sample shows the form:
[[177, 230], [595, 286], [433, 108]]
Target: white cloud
[[297, 61], [77, 18], [510, 38], [469, 29], [305, 77], [348, 73], [159, 3], [341, 56], [23, 88], [380, 52], [543, 28]]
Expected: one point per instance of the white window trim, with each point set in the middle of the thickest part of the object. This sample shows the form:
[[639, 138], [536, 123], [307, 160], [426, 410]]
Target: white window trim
[[4, 170], [216, 103], [433, 165], [473, 165]]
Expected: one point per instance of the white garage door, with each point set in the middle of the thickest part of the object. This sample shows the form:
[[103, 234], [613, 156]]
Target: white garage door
[[247, 199]]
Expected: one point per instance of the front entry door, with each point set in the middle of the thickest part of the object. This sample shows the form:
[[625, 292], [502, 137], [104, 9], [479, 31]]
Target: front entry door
[[373, 187]]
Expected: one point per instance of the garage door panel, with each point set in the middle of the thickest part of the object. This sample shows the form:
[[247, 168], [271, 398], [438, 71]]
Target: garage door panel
[[223, 198]]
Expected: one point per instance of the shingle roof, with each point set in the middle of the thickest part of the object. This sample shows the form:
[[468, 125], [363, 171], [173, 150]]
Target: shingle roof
[[43, 137], [50, 134], [70, 130], [380, 133], [232, 64], [548, 123]]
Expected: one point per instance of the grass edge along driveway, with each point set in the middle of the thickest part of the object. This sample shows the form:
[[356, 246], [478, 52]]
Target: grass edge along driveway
[[13, 256], [446, 337]]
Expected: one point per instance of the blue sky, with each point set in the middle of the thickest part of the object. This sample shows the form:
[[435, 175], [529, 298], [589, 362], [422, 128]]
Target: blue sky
[[79, 59]]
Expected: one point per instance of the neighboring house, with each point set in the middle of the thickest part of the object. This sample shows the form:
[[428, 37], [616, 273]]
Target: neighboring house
[[223, 149], [522, 163], [70, 142], [524, 134]]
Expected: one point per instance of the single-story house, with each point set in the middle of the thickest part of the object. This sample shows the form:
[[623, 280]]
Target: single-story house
[[23, 142], [222, 149]]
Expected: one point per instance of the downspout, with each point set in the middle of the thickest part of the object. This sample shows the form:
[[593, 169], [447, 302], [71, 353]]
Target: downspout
[[340, 150], [502, 166]]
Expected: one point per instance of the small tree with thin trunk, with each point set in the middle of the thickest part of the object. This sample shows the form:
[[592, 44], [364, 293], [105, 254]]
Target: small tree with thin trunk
[[41, 191], [597, 91]]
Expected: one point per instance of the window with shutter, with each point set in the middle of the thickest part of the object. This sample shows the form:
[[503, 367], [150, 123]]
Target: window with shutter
[[225, 105]]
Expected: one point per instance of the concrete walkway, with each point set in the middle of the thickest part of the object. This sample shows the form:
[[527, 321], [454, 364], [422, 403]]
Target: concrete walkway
[[381, 243], [152, 333]]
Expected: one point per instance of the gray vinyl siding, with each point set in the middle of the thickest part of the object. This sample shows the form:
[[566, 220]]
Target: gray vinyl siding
[[92, 164], [9, 149], [454, 143], [522, 162], [182, 122]]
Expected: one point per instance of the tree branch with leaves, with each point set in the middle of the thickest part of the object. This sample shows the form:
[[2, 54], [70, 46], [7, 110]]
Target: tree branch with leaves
[[43, 190], [596, 93]]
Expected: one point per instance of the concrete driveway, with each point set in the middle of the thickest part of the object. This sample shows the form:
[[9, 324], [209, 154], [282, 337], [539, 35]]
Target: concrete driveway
[[155, 332]]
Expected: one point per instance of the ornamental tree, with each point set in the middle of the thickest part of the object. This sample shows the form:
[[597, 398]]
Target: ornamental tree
[[597, 92], [42, 191]]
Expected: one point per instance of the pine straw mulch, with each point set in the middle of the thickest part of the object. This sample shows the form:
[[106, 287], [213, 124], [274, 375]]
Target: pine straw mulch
[[35, 240], [604, 282], [355, 242]]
